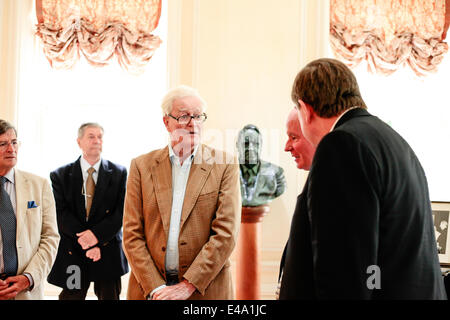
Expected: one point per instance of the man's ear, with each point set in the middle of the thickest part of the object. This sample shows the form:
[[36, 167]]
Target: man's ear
[[166, 121], [306, 111]]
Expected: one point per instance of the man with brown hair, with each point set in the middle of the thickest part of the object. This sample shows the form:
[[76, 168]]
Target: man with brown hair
[[367, 207]]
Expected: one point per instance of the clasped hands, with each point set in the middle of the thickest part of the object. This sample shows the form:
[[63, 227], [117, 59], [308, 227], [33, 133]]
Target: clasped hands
[[87, 241], [11, 286], [179, 291]]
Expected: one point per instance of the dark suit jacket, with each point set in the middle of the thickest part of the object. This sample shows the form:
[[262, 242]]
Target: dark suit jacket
[[105, 221], [365, 203]]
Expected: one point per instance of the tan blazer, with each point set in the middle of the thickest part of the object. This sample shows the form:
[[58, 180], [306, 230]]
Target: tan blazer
[[208, 229], [37, 231]]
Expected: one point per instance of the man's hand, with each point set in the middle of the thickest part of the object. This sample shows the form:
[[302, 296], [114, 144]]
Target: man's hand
[[87, 239], [179, 291], [11, 286], [94, 254]]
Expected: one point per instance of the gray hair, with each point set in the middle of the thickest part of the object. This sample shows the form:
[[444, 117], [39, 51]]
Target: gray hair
[[86, 125], [177, 93], [5, 126]]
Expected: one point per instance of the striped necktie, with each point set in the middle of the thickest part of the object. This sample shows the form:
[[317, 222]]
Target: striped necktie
[[8, 227]]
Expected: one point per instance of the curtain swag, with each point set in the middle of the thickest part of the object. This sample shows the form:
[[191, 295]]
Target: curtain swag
[[99, 29], [390, 33]]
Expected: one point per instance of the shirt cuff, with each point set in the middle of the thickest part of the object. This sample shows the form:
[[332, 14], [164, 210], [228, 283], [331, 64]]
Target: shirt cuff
[[150, 296], [30, 278]]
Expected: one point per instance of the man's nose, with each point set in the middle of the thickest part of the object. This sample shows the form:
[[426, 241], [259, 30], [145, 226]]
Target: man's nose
[[287, 147], [10, 147], [191, 123]]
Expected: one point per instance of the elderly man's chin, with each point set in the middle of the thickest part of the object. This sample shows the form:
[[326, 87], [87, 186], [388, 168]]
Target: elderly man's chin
[[186, 143], [299, 162]]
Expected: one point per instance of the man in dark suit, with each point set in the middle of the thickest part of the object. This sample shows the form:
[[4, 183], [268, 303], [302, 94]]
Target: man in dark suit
[[364, 228], [89, 196], [303, 152]]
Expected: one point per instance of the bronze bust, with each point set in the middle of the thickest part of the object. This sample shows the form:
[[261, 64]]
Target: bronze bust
[[261, 181]]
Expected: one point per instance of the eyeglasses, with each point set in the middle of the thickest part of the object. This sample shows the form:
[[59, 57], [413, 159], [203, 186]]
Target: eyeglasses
[[5, 144], [185, 119]]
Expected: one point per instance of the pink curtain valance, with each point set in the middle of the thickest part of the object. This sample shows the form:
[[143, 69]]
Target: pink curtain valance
[[99, 30], [390, 33]]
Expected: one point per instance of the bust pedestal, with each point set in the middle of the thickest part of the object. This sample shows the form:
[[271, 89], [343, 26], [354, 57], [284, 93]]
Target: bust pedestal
[[248, 282]]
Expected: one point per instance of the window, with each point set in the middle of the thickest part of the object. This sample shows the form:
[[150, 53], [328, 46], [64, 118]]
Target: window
[[418, 109], [54, 103]]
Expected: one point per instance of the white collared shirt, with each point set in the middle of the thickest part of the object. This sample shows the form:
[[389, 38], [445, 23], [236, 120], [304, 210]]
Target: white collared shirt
[[340, 116], [180, 175], [84, 171]]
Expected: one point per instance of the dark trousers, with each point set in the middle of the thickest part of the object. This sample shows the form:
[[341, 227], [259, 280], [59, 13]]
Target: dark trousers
[[103, 289]]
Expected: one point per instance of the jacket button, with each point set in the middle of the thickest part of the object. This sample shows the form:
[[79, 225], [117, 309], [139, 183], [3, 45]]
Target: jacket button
[[163, 249]]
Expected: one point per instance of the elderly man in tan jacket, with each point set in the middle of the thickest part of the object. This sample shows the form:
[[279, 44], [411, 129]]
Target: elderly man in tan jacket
[[182, 211], [28, 230]]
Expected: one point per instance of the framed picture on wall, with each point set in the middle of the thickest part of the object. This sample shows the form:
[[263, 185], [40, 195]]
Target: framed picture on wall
[[441, 219]]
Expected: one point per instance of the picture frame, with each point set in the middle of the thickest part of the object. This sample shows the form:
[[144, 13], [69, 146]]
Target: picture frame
[[441, 220]]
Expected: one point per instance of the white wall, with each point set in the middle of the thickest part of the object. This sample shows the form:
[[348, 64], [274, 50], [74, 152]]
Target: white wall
[[243, 56]]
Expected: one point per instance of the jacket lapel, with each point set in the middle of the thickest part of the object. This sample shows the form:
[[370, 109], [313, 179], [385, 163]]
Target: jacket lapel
[[200, 169], [22, 198], [162, 179], [104, 176], [76, 183]]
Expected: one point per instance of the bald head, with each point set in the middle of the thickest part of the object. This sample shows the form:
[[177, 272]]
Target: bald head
[[293, 119], [300, 148]]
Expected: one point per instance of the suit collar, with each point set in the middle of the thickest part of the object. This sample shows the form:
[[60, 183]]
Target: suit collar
[[76, 184], [161, 171], [200, 170], [10, 176], [23, 195], [173, 157], [350, 114], [86, 165], [202, 153], [104, 177]]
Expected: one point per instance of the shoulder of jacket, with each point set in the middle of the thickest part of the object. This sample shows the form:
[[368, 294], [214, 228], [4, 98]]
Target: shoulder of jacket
[[150, 157]]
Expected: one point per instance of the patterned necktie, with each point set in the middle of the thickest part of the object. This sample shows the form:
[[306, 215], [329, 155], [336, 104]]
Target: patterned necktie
[[90, 190], [8, 227]]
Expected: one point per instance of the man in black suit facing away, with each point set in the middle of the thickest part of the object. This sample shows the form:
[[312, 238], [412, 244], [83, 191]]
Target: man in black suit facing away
[[89, 196], [366, 225]]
